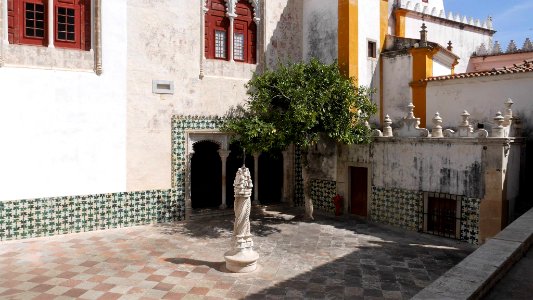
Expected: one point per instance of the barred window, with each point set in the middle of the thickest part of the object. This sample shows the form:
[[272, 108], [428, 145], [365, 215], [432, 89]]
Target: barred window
[[220, 44], [238, 46]]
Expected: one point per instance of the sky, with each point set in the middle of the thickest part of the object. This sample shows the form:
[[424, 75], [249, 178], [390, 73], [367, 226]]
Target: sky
[[512, 19]]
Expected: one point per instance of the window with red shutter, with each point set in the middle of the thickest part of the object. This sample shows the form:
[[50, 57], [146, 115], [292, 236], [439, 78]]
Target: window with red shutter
[[216, 30], [72, 24], [28, 23], [244, 33]]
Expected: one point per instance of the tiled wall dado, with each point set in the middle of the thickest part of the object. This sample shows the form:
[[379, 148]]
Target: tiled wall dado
[[405, 209], [39, 217], [322, 193]]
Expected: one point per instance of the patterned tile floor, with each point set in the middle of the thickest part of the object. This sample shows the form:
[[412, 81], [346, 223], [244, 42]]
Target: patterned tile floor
[[327, 258]]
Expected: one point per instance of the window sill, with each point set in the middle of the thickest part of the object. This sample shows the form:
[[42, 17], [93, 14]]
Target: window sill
[[48, 58], [223, 68]]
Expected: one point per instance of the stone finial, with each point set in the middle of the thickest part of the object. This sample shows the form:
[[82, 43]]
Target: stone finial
[[497, 130], [457, 17], [465, 129], [434, 11], [387, 129], [436, 132], [409, 127], [471, 21], [489, 23], [477, 23], [450, 15], [482, 50], [511, 48], [408, 5], [464, 20], [417, 7], [496, 49], [425, 10], [450, 46], [423, 36], [528, 45], [442, 14]]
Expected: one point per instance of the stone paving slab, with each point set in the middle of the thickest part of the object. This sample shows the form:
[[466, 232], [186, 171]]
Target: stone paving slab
[[325, 259]]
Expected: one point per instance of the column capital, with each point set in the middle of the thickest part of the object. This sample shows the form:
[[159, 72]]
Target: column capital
[[224, 154]]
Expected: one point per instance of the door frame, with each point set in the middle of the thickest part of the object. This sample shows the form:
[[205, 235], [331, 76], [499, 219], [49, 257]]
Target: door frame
[[348, 187]]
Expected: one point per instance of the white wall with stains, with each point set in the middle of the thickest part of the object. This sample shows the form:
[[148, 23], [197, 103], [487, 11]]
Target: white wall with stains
[[320, 24], [482, 97], [164, 43], [397, 75], [63, 131]]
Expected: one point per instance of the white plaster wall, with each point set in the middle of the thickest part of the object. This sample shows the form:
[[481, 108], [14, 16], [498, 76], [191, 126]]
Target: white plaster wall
[[397, 74], [320, 24], [369, 29], [482, 97], [63, 132], [465, 41], [440, 69], [422, 165], [164, 43]]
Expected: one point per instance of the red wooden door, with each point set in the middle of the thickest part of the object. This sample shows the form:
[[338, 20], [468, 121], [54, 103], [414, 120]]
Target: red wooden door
[[359, 192]]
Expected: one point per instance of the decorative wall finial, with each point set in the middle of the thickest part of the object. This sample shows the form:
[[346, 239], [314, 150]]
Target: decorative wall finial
[[387, 129], [436, 132], [409, 127], [423, 36], [511, 47], [497, 49], [497, 130], [528, 46], [450, 46]]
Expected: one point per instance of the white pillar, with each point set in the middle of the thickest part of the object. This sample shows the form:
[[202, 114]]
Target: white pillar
[[203, 11], [230, 38], [256, 179], [51, 31], [223, 156], [5, 35]]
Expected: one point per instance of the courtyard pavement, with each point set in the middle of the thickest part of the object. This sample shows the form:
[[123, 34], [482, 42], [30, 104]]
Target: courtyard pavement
[[327, 258]]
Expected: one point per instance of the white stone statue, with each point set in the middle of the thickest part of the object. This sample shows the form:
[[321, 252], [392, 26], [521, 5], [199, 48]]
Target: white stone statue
[[242, 258]]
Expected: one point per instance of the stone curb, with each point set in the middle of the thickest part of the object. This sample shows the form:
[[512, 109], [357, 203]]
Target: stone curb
[[473, 277]]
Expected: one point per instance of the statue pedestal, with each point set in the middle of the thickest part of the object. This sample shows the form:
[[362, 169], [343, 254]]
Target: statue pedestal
[[242, 258], [244, 261]]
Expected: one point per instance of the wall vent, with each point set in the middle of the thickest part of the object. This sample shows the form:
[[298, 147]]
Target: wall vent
[[162, 87]]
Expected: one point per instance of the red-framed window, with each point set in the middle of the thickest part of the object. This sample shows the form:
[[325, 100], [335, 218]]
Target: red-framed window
[[216, 30], [28, 23], [72, 24], [244, 33]]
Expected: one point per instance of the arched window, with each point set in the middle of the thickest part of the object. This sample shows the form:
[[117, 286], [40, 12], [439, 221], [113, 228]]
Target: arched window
[[244, 33], [216, 30]]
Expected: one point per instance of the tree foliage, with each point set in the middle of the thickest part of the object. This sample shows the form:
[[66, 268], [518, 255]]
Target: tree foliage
[[295, 103]]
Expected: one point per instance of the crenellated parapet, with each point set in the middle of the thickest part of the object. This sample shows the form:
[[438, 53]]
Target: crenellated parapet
[[505, 125], [496, 48], [438, 12]]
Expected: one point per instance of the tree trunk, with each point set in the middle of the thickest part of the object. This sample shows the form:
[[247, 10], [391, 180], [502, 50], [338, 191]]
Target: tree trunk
[[307, 186]]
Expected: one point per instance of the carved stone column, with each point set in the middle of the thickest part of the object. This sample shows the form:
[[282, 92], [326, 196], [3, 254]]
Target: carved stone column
[[230, 36], [203, 10], [256, 179], [242, 258], [188, 200], [224, 157], [51, 31], [98, 69]]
